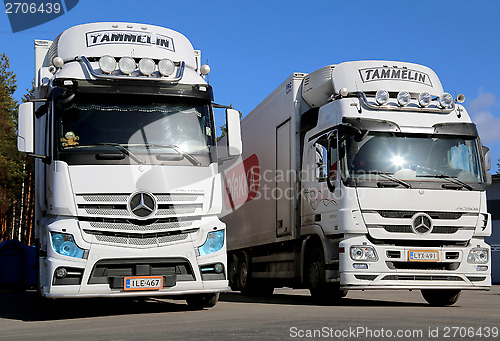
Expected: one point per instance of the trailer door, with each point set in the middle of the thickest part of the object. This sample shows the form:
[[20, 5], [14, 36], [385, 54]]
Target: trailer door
[[284, 190]]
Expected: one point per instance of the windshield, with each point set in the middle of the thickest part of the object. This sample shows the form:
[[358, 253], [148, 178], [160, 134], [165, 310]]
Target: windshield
[[141, 129], [414, 157]]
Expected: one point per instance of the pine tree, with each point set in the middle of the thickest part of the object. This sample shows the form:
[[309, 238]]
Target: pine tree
[[11, 162]]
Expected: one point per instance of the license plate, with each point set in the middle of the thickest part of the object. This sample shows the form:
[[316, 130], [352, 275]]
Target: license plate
[[143, 283], [423, 256]]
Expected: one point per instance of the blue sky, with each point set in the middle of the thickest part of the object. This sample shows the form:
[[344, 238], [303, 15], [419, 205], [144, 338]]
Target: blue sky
[[253, 46]]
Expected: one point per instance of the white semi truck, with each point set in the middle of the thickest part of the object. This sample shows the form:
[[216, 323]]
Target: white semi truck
[[127, 181], [362, 175]]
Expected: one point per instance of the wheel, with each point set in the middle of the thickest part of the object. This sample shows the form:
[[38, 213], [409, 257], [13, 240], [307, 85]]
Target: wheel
[[200, 301], [243, 277], [321, 291], [440, 297]]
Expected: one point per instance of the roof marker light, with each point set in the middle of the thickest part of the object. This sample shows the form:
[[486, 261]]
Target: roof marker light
[[205, 69], [107, 64], [446, 101], [424, 99], [382, 97], [343, 92], [403, 98], [166, 67], [146, 66], [58, 62], [127, 65]]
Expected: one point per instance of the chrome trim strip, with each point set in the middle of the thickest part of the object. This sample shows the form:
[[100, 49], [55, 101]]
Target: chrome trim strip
[[364, 100], [178, 75]]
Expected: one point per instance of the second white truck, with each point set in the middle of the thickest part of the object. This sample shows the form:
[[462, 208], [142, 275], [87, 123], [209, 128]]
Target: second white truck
[[361, 175]]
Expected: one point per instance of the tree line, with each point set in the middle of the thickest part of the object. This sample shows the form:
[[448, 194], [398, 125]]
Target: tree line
[[17, 183]]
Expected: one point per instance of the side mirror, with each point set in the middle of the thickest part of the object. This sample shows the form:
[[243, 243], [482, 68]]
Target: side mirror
[[25, 135], [234, 144], [487, 158]]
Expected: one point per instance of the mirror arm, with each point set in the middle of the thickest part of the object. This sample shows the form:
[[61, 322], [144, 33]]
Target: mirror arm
[[331, 186]]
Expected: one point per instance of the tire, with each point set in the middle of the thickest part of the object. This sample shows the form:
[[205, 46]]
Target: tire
[[248, 286], [441, 297], [200, 301], [321, 291]]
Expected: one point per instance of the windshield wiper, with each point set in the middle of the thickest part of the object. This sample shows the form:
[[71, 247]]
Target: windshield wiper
[[388, 176], [453, 179], [119, 147], [188, 156]]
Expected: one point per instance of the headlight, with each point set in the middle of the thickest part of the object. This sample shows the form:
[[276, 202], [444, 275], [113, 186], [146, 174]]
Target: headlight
[[127, 65], [365, 253], [146, 66], [404, 98], [478, 256], [382, 97], [424, 99], [166, 67], [64, 244], [107, 64], [214, 242], [446, 101]]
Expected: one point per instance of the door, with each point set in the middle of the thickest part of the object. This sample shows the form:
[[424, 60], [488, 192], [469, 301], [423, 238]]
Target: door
[[284, 190]]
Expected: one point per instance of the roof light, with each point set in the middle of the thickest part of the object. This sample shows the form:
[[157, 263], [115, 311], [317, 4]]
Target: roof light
[[382, 97], [166, 67], [107, 64], [146, 66], [404, 98], [205, 69], [446, 101], [460, 98], [58, 62], [424, 99], [127, 65], [343, 92]]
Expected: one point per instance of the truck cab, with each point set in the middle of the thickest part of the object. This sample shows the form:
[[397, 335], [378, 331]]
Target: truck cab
[[127, 181]]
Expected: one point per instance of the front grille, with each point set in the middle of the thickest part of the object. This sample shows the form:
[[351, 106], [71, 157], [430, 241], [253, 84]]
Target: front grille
[[112, 271], [128, 226], [408, 229], [422, 278], [137, 239], [410, 214], [423, 266]]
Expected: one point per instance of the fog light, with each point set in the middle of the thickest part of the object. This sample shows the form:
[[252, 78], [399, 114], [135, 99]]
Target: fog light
[[424, 99], [382, 97], [107, 64], [127, 65], [446, 101], [166, 67], [61, 272], [360, 266], [219, 268], [404, 98], [146, 66]]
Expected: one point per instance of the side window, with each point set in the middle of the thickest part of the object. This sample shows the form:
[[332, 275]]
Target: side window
[[333, 159], [320, 157]]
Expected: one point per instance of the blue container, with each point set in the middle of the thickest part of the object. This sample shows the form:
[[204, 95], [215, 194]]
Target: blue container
[[30, 268], [12, 265]]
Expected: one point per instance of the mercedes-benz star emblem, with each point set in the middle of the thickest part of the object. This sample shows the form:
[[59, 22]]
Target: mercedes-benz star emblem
[[422, 223], [142, 204]]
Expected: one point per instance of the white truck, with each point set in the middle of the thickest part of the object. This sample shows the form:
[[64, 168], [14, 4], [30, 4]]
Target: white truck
[[127, 181], [362, 175]]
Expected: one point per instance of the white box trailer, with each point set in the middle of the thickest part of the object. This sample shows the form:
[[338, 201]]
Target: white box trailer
[[361, 175], [127, 179]]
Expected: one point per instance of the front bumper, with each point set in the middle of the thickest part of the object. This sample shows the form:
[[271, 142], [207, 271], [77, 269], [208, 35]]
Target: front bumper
[[393, 270]]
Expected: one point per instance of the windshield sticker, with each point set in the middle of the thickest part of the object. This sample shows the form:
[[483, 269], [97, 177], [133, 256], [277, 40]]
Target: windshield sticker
[[385, 73], [129, 37], [69, 139]]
